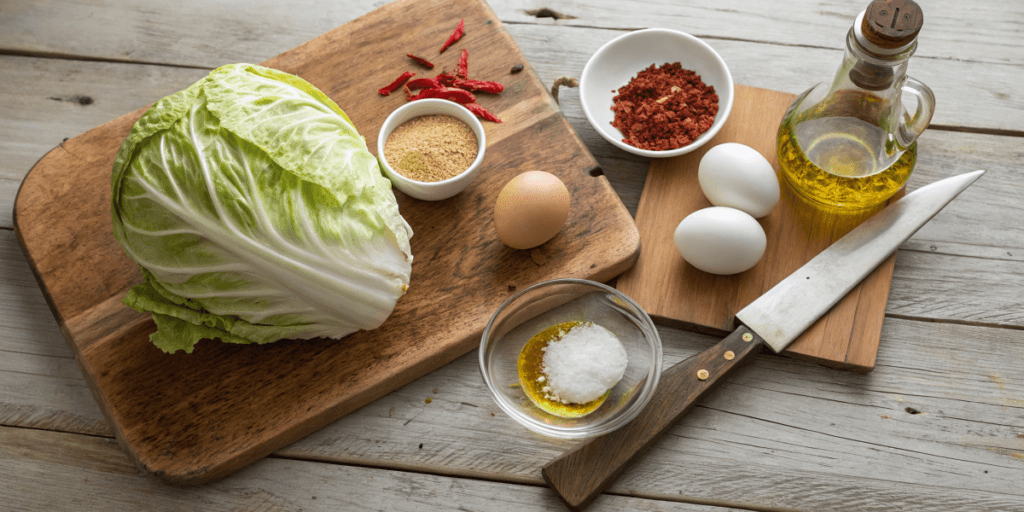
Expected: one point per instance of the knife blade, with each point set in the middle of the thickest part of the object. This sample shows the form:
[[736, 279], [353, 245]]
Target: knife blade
[[775, 319]]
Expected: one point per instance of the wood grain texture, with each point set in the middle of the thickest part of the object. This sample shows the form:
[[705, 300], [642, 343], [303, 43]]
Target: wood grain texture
[[782, 434], [675, 293], [580, 474], [205, 415], [786, 53], [93, 474]]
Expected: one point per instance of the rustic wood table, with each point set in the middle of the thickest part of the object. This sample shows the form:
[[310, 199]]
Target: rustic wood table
[[938, 425]]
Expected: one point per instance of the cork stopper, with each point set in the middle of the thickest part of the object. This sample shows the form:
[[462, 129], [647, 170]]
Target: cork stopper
[[892, 24]]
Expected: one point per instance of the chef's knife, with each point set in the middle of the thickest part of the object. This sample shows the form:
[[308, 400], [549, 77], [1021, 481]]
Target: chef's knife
[[775, 319]]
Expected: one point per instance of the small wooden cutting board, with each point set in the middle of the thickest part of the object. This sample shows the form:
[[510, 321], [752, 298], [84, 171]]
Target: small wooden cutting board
[[192, 418], [675, 293]]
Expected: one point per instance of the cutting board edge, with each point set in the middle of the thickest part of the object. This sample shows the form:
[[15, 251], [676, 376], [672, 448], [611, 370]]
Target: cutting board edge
[[847, 365], [19, 235]]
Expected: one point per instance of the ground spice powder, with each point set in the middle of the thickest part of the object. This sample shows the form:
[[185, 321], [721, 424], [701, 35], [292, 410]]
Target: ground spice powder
[[431, 148], [664, 108]]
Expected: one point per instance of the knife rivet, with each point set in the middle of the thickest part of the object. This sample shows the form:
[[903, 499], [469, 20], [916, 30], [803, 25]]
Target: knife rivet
[[748, 337], [702, 374], [728, 355]]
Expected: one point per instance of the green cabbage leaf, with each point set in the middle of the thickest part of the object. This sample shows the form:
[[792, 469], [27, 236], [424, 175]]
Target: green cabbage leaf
[[256, 213]]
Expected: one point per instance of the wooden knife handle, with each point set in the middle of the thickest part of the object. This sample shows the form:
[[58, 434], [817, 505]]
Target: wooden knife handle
[[580, 474]]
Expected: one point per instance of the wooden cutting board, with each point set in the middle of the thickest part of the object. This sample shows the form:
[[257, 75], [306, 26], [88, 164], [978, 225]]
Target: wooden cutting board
[[675, 293], [194, 418]]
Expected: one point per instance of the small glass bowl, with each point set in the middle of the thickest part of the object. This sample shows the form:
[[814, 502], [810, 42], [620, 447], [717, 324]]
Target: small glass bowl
[[431, 190], [563, 300]]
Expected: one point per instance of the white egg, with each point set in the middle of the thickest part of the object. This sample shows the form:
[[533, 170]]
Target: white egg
[[738, 176], [721, 240]]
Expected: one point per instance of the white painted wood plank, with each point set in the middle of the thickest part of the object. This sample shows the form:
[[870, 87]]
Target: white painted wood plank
[[978, 290], [43, 102], [54, 471], [191, 32], [984, 32], [968, 93], [974, 71], [209, 33]]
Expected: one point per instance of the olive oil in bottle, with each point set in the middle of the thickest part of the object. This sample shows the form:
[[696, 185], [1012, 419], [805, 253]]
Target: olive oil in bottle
[[850, 143], [838, 165]]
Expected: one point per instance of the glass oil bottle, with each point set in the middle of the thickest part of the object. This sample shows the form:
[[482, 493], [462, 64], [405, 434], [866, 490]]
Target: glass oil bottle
[[850, 144]]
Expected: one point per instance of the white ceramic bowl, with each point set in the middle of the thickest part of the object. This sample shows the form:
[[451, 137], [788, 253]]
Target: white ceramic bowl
[[619, 60], [431, 190], [562, 300]]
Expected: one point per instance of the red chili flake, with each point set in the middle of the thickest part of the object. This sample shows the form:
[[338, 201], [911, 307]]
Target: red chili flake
[[446, 93], [421, 60], [480, 85], [482, 112], [456, 35], [388, 89], [664, 108], [462, 70]]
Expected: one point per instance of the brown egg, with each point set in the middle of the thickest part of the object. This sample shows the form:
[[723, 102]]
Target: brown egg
[[531, 209]]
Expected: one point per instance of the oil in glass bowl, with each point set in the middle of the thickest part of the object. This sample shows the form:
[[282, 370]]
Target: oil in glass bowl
[[534, 382], [563, 301]]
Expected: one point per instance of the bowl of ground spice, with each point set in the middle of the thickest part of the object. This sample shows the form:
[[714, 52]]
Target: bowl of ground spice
[[656, 92], [431, 149], [571, 358]]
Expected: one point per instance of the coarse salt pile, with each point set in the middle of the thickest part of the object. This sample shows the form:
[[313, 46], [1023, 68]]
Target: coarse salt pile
[[583, 364]]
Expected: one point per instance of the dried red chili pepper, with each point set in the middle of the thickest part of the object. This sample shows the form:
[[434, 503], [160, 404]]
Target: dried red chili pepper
[[421, 60], [388, 89], [480, 85], [452, 86], [462, 70], [456, 35], [664, 108], [446, 79], [424, 83], [482, 112], [446, 93]]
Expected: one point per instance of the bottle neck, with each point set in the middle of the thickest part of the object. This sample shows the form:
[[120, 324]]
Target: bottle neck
[[873, 68]]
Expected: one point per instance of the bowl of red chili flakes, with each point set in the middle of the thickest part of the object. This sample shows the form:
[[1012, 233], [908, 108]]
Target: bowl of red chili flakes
[[656, 92]]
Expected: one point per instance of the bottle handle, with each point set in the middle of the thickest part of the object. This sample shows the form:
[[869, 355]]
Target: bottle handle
[[914, 125]]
